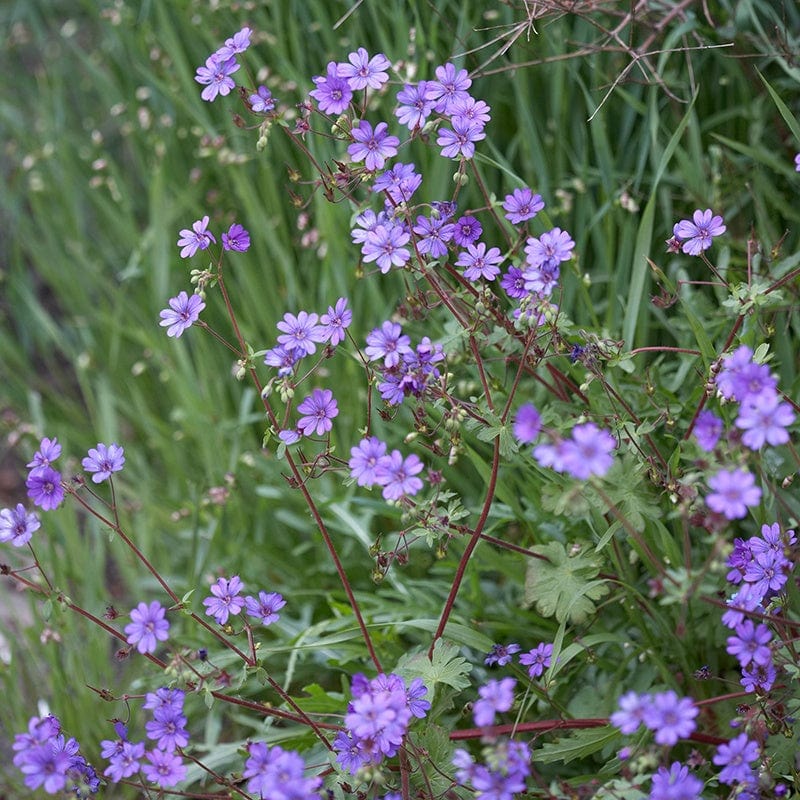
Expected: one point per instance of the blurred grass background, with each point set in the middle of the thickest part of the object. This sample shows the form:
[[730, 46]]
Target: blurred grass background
[[108, 150]]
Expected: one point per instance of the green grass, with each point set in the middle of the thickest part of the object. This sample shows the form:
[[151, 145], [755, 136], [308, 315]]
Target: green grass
[[109, 151]]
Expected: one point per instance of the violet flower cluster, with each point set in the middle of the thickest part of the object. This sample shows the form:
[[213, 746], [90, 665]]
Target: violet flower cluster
[[377, 719], [503, 772], [670, 717], [371, 465], [760, 567], [45, 486], [405, 371], [51, 761], [225, 601], [695, 235], [763, 418], [272, 772], [587, 452], [161, 765], [536, 660]]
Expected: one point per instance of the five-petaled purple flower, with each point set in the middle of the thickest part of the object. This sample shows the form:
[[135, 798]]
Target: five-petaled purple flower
[[537, 660], [696, 234], [18, 525], [734, 492], [184, 310], [216, 76], [333, 92], [103, 461], [734, 757], [265, 607], [198, 238], [148, 626], [318, 409], [501, 654], [372, 147], [363, 71], [44, 488], [527, 424], [225, 599], [522, 204], [495, 696], [237, 238]]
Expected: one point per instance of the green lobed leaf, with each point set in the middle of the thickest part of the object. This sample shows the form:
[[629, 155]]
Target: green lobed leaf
[[563, 586], [446, 666], [577, 745]]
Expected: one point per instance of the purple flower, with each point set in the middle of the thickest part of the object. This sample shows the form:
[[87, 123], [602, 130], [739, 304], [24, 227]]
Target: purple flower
[[365, 459], [399, 182], [734, 492], [333, 92], [389, 343], [183, 312], [336, 321], [372, 147], [319, 408], [758, 677], [18, 525], [265, 607], [470, 109], [167, 729], [225, 599], [767, 572], [460, 141], [675, 784], [148, 627], [44, 488], [522, 204], [238, 43], [450, 85], [414, 694], [751, 643], [588, 452], [537, 660], [632, 708], [103, 461], [277, 773], [466, 230], [764, 419], [501, 654], [165, 768], [433, 233], [126, 761], [47, 764], [797, 162], [696, 234], [707, 430], [550, 249], [479, 263], [283, 358], [301, 332], [745, 381], [385, 246], [415, 104], [198, 238], [735, 757], [377, 719], [397, 475], [527, 424], [363, 71], [49, 450], [513, 283], [237, 238], [495, 696], [215, 76], [164, 697], [262, 102], [671, 717]]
